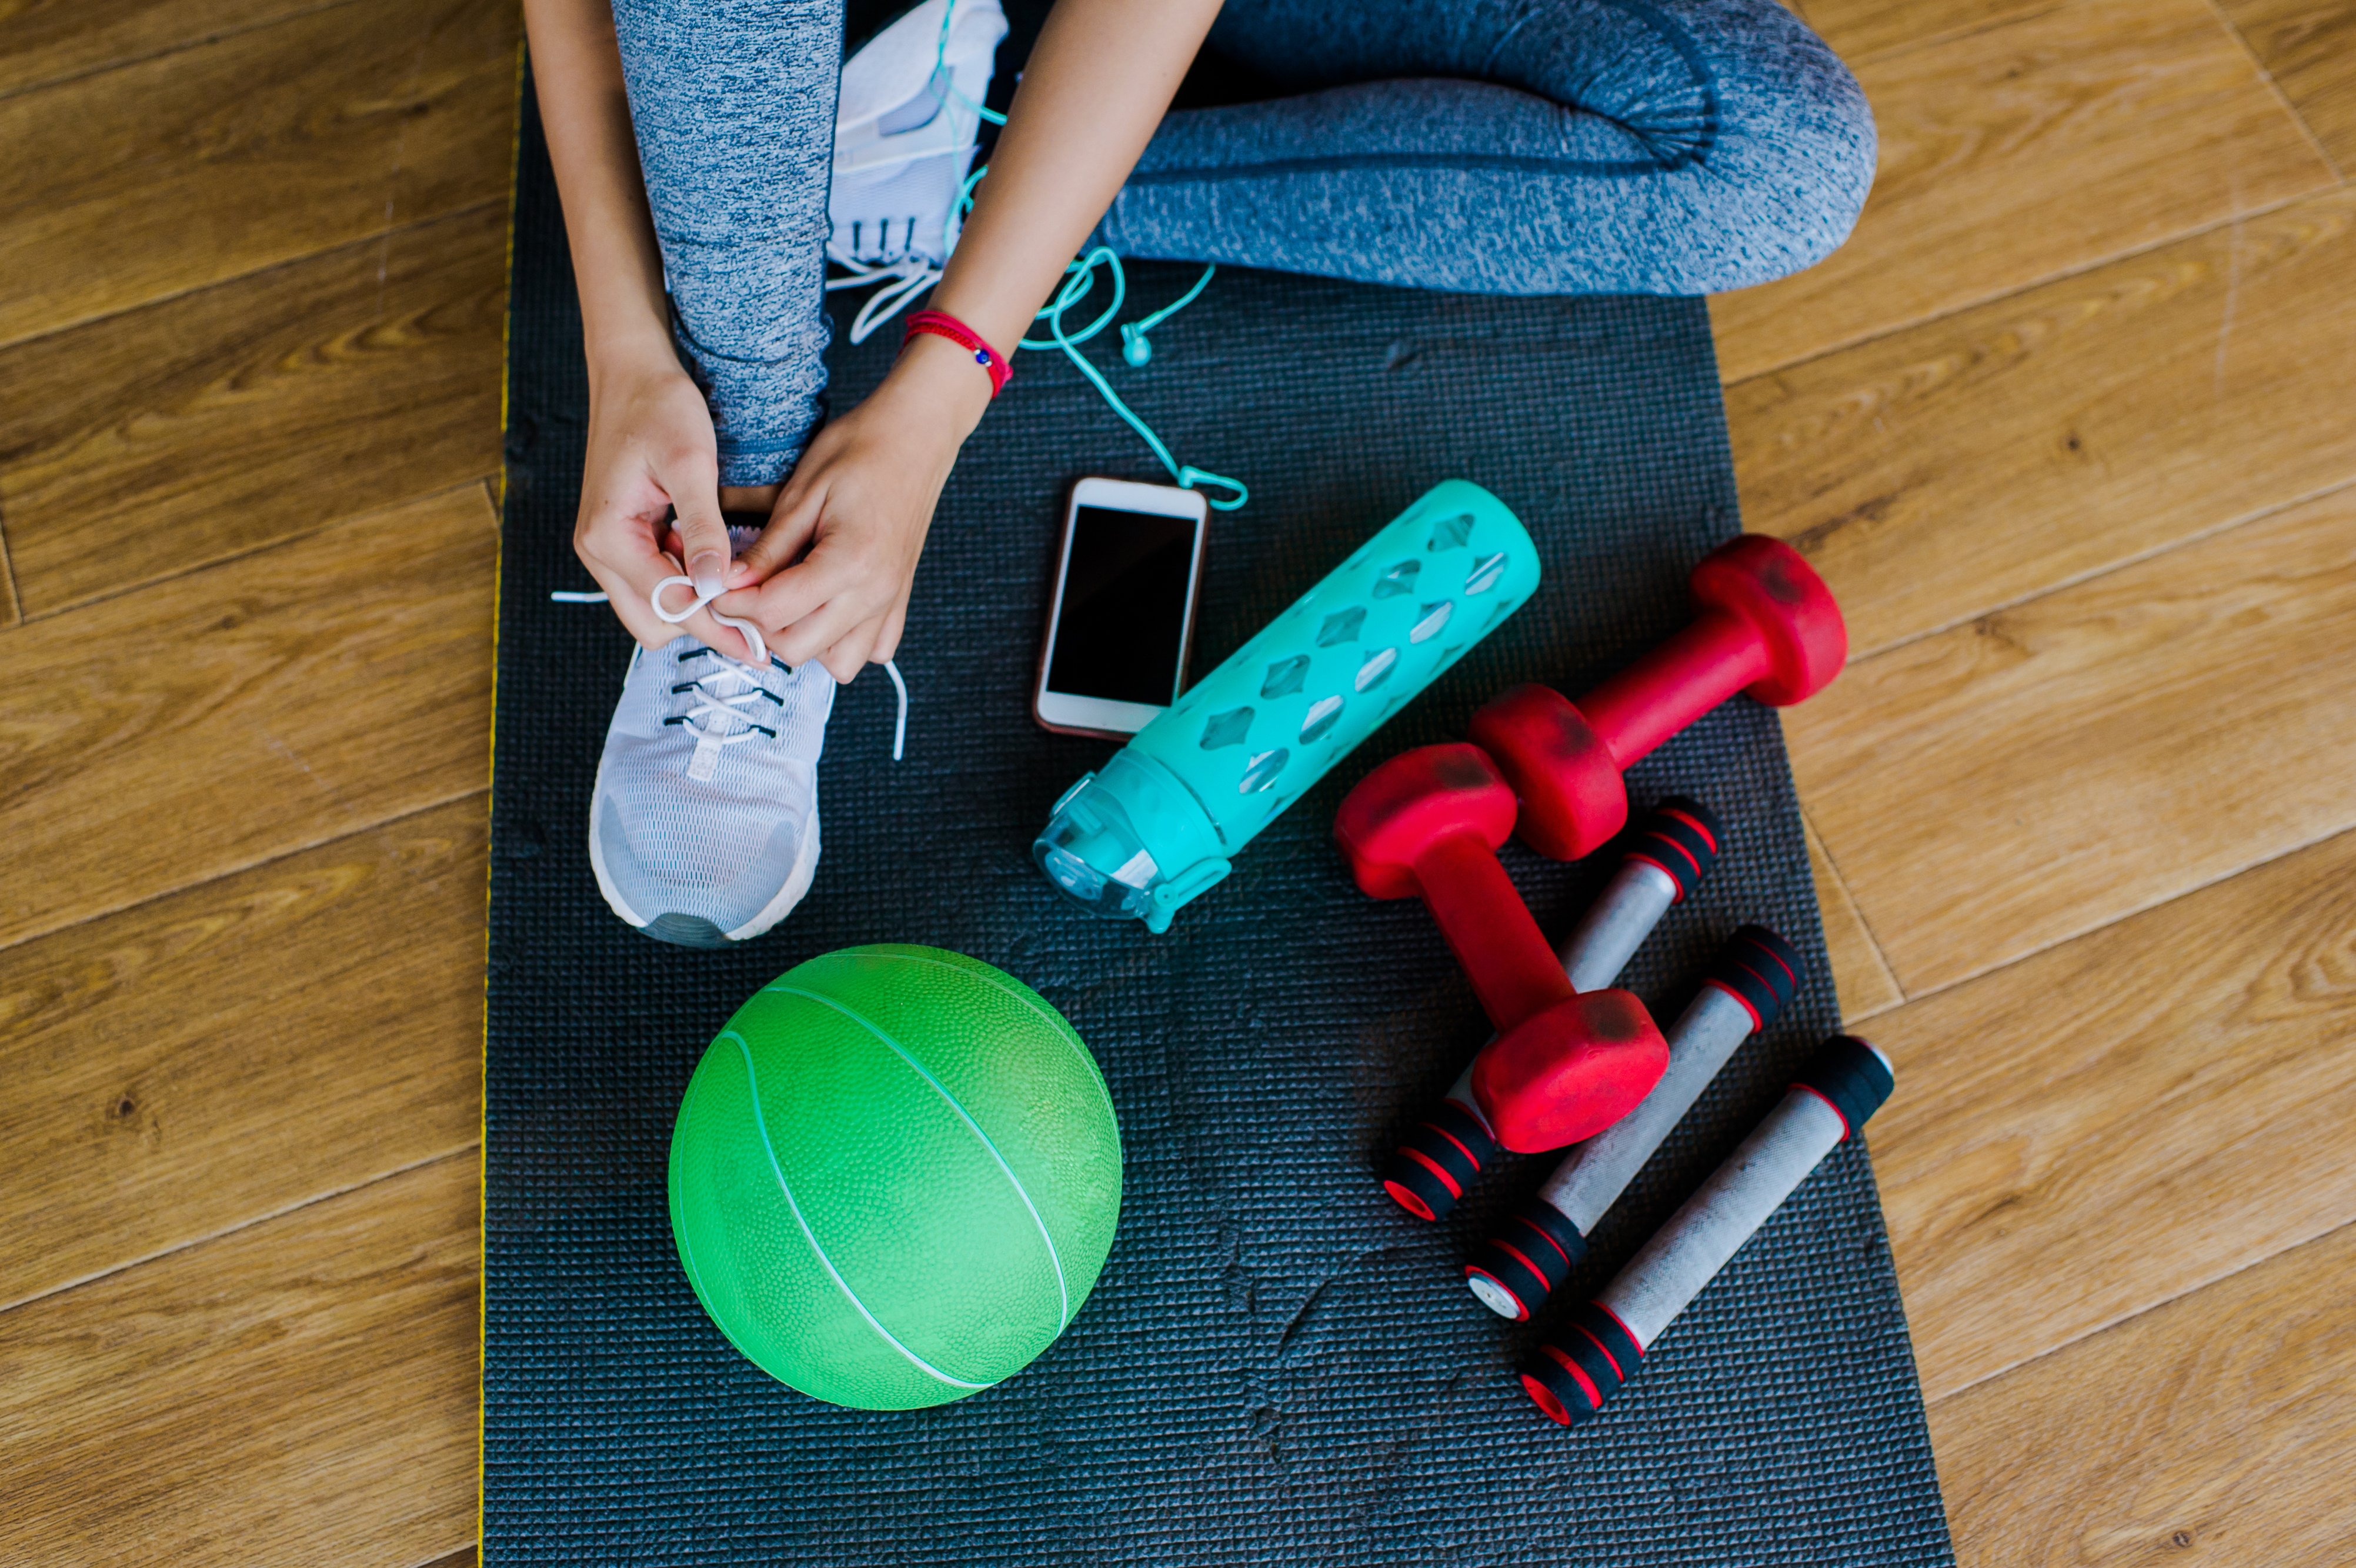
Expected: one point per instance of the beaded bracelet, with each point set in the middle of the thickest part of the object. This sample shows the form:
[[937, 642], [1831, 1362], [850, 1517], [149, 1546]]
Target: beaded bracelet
[[942, 324]]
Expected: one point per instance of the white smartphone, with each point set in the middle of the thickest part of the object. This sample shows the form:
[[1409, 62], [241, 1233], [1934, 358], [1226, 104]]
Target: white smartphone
[[1122, 612]]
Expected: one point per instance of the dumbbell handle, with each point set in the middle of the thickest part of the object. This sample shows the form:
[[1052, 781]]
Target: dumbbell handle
[[1673, 684], [1606, 938], [1490, 930], [1445, 1152], [1593, 1176], [1536, 1247], [1703, 1236], [1577, 1371], [1616, 924], [1601, 1345]]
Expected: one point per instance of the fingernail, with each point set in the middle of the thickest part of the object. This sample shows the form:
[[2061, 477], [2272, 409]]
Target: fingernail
[[707, 571]]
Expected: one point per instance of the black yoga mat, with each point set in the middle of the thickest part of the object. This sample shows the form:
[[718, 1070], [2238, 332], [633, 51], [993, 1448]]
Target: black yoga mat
[[1278, 1366]]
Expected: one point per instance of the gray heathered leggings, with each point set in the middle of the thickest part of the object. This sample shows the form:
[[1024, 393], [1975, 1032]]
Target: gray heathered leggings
[[1500, 146]]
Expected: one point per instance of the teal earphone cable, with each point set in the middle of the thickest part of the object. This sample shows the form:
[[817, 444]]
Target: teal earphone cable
[[1079, 279], [1133, 344], [940, 71]]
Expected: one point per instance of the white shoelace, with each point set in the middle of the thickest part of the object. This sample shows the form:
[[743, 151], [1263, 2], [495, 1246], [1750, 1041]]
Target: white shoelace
[[708, 705], [712, 704], [908, 277]]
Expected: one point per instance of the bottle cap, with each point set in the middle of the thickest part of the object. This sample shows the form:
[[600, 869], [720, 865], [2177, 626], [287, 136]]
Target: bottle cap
[[1130, 843]]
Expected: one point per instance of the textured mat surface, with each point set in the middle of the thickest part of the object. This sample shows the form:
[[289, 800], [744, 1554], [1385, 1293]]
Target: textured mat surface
[[1278, 1366]]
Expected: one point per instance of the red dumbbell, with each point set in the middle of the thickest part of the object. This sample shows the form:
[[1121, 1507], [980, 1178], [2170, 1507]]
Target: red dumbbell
[[1566, 1064], [1765, 622]]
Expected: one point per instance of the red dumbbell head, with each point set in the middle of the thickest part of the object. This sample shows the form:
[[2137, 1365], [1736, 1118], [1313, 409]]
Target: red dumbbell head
[[1568, 1072], [1764, 582], [1411, 802], [1564, 774]]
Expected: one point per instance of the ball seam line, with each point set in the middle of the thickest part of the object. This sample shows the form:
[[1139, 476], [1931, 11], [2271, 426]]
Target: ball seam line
[[761, 1125], [1054, 1258]]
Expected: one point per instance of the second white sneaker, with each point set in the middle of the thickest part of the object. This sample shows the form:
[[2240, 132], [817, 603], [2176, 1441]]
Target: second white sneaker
[[903, 143]]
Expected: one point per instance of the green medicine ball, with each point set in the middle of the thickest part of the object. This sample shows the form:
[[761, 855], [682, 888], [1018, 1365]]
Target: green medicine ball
[[894, 1177]]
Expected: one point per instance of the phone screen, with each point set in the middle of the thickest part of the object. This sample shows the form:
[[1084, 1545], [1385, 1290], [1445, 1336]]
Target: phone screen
[[1123, 622]]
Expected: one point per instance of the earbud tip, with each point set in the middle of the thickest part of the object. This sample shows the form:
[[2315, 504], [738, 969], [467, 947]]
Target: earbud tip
[[1137, 351]]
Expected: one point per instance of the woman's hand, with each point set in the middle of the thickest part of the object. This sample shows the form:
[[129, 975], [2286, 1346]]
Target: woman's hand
[[859, 504], [1101, 76], [830, 573], [651, 453]]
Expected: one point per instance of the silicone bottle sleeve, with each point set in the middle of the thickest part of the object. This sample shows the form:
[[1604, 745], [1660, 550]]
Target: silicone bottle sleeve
[[1161, 823]]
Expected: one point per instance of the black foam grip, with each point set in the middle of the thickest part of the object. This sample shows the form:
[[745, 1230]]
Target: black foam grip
[[1511, 1270], [1554, 1227], [1468, 1143], [1760, 967], [1592, 1347], [1417, 1188], [1612, 1334], [1557, 1388], [1532, 1252], [1850, 1074], [1453, 1147], [1681, 836]]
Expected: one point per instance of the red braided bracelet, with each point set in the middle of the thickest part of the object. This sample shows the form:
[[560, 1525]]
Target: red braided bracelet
[[942, 324]]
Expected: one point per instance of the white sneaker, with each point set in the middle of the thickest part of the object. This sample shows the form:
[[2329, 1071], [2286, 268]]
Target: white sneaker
[[904, 141], [703, 825]]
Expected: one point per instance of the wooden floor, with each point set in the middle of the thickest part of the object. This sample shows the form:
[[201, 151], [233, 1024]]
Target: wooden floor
[[2068, 426]]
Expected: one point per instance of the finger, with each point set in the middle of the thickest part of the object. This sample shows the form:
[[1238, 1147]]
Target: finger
[[610, 539], [791, 523], [887, 642], [696, 543], [850, 654], [691, 476], [631, 584], [823, 576], [810, 637], [629, 606]]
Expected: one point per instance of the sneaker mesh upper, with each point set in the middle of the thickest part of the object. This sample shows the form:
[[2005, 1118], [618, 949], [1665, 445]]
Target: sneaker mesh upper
[[721, 841]]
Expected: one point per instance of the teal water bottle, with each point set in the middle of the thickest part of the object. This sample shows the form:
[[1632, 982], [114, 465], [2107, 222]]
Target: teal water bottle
[[1161, 824]]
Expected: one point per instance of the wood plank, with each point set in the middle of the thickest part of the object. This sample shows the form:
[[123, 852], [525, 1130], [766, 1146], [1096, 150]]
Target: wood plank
[[462, 1558], [2048, 768], [1946, 470], [208, 163], [2310, 48], [2088, 1133], [1860, 30], [1860, 977], [2025, 151], [146, 443], [136, 1122], [157, 739], [2216, 1427], [44, 40], [299, 1392]]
